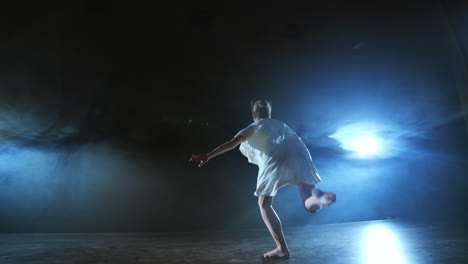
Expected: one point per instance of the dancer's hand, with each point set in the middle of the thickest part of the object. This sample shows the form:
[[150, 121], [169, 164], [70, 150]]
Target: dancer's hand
[[202, 158]]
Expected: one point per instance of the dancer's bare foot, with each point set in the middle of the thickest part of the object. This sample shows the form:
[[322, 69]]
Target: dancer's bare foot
[[323, 198], [318, 199], [277, 253]]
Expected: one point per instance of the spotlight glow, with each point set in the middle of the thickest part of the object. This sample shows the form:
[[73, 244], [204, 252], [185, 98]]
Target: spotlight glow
[[369, 140], [364, 145]]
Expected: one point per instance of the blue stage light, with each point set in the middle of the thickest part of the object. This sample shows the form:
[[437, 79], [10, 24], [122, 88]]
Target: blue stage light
[[364, 144], [364, 140]]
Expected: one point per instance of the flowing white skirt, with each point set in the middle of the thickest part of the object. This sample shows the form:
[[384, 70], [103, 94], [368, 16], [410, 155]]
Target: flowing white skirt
[[288, 162]]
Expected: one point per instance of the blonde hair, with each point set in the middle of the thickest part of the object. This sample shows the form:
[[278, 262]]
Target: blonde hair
[[261, 108]]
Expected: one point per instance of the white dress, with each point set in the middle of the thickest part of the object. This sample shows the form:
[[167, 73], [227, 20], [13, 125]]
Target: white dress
[[280, 154]]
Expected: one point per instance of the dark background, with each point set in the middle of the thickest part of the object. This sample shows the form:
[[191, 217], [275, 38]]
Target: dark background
[[102, 104]]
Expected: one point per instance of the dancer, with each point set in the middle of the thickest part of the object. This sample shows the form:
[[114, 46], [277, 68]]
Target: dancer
[[282, 159]]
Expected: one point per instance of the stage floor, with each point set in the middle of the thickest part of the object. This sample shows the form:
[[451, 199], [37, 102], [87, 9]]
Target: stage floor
[[389, 241]]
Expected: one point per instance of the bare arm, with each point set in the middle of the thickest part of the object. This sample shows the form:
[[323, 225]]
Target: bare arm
[[226, 146]]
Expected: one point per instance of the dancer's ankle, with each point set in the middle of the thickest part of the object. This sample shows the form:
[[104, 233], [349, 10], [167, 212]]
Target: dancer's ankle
[[283, 248]]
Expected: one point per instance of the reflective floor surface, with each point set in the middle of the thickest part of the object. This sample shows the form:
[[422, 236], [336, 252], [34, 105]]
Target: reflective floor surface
[[388, 241]]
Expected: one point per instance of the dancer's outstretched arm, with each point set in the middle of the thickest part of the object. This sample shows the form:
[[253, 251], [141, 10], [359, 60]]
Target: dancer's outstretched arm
[[226, 146]]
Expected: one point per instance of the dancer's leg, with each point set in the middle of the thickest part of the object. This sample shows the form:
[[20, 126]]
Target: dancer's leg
[[309, 202], [305, 190], [273, 224]]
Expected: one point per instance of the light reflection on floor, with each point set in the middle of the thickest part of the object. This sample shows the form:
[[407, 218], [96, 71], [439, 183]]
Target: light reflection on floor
[[389, 241], [382, 245]]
